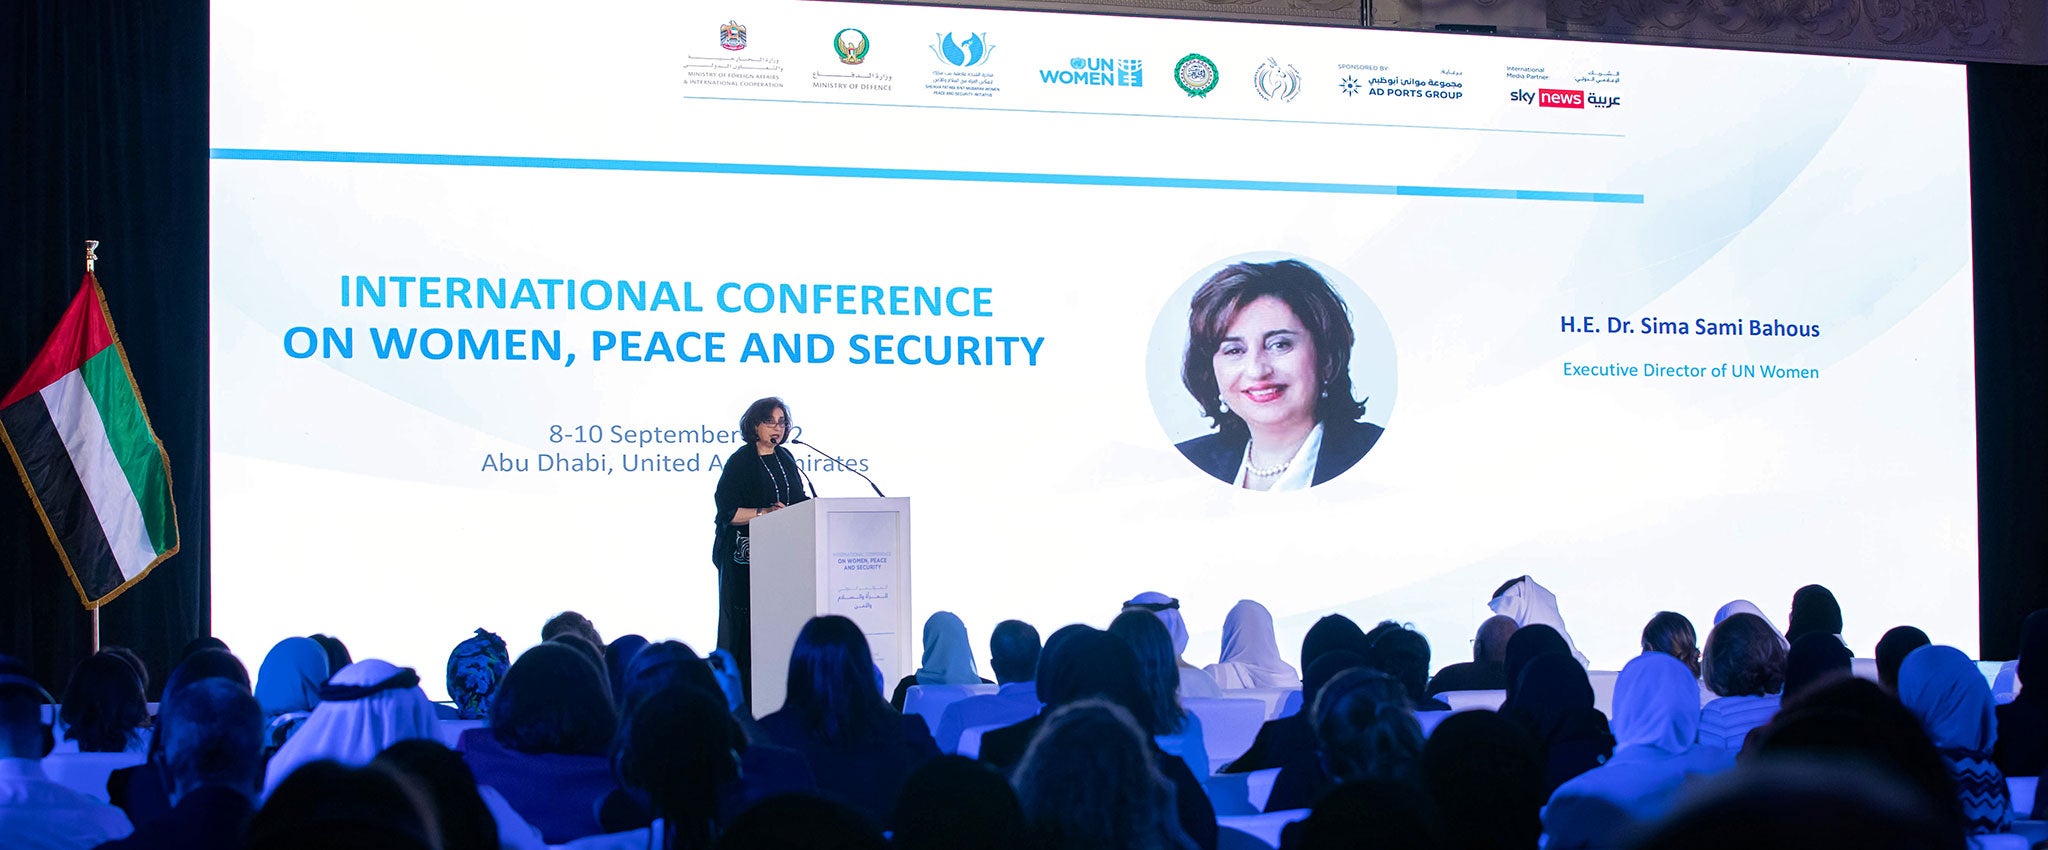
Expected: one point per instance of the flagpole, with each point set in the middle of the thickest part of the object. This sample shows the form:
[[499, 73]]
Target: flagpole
[[91, 245]]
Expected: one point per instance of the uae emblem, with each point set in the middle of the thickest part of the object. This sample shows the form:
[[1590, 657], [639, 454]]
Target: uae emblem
[[852, 45], [1195, 74], [732, 35]]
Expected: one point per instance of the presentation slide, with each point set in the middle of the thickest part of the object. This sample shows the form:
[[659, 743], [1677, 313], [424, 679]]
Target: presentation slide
[[1346, 321]]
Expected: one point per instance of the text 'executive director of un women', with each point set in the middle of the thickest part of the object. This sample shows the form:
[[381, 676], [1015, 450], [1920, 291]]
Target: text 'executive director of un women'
[[1269, 360]]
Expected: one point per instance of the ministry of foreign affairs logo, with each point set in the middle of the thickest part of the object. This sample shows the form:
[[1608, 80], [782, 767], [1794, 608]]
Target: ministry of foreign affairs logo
[[732, 35], [1195, 74]]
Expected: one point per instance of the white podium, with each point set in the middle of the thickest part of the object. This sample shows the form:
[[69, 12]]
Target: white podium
[[849, 557]]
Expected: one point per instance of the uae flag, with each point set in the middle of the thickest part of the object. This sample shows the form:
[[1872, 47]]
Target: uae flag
[[78, 434]]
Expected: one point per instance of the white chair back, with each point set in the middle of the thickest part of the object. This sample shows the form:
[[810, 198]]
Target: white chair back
[[87, 773], [1276, 699], [2005, 684], [1603, 689], [2022, 789], [1429, 719], [1264, 827], [1468, 700], [1259, 786], [1864, 668], [1229, 794], [930, 701], [1291, 706], [970, 740], [1228, 725]]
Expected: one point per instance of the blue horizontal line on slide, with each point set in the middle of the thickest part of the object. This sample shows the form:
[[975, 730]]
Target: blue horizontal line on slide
[[915, 174]]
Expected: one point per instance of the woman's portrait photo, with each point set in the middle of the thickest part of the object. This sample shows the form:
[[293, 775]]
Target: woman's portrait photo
[[1283, 383]]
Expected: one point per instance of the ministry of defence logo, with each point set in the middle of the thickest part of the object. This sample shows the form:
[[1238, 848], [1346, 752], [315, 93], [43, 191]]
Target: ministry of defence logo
[[1275, 81], [732, 35], [851, 45], [1195, 74], [967, 53]]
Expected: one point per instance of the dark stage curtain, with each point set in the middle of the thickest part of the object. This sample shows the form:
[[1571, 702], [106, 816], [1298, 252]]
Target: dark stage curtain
[[106, 139]]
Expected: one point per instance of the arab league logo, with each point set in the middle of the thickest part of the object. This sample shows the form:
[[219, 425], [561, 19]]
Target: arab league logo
[[732, 35], [852, 45], [1276, 81], [1195, 74]]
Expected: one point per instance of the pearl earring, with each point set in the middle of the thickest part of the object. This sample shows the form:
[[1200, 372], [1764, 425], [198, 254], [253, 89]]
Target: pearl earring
[[1222, 405]]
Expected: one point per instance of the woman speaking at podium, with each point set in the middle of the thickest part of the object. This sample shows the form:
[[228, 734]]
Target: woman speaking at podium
[[760, 478]]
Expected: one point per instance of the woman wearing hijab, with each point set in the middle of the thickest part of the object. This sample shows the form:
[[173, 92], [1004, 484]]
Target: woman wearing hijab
[[475, 668], [1744, 606], [1814, 611], [1090, 781], [1251, 651], [366, 707], [288, 687], [1656, 718], [1528, 643], [1943, 688], [1531, 604], [2022, 748], [1745, 668], [1814, 658], [1194, 682], [948, 658], [1554, 701], [1175, 729], [548, 742]]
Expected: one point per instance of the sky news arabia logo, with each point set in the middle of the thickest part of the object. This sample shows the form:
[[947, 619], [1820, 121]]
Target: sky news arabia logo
[[1195, 74], [1565, 99], [1096, 71], [962, 53], [1275, 81], [851, 45], [732, 35]]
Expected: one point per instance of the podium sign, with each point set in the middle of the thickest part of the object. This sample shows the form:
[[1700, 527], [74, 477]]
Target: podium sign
[[849, 557]]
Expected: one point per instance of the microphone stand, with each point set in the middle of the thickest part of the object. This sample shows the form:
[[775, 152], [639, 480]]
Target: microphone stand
[[848, 467]]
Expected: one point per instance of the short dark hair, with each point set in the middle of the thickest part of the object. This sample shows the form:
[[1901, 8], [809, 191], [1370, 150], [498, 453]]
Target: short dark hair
[[1403, 654], [213, 732], [325, 804], [1304, 291], [1672, 634], [1013, 651], [1743, 658], [758, 413], [21, 709], [554, 700], [1892, 650], [1365, 727], [570, 622], [678, 747], [337, 652], [831, 683], [103, 704]]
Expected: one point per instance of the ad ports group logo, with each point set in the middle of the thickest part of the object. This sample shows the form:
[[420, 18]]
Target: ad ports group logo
[[1096, 71], [1565, 98], [1275, 81], [962, 53]]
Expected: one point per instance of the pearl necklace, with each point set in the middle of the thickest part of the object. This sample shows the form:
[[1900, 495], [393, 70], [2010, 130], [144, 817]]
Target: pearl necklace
[[1267, 472]]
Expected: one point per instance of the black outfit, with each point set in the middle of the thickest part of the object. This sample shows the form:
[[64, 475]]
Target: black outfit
[[750, 480], [1004, 749], [1279, 741], [1344, 442], [867, 775], [1470, 676], [210, 818]]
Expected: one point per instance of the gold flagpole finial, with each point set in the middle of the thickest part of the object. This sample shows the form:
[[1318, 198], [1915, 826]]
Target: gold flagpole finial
[[90, 245]]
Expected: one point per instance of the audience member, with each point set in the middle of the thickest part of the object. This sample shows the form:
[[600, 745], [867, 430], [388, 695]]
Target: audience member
[[1942, 687], [593, 652], [327, 805], [1656, 720], [143, 792], [1671, 633], [860, 749], [1530, 604], [213, 749], [35, 812], [134, 662], [948, 658], [475, 668], [337, 653], [1800, 803], [571, 623], [1858, 729], [199, 644], [367, 706], [1814, 612], [1527, 643], [1251, 651], [462, 819], [1283, 739], [1744, 606], [1176, 730], [1487, 671], [288, 687], [1089, 782], [1380, 814], [802, 822], [1365, 728], [548, 742], [1194, 681], [1013, 656], [1814, 658], [676, 757], [953, 803], [1744, 666], [1403, 653], [1892, 650], [104, 710], [1555, 702], [1332, 633], [617, 655], [1485, 774], [2022, 748]]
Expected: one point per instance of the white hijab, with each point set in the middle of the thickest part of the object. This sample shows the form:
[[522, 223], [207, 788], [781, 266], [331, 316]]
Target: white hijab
[[1744, 606], [1529, 603], [1656, 704], [354, 731], [1251, 652]]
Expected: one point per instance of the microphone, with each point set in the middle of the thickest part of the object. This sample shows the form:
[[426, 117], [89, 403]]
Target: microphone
[[847, 467], [806, 476]]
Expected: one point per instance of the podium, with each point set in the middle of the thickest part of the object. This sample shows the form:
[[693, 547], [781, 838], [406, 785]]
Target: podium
[[842, 556]]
